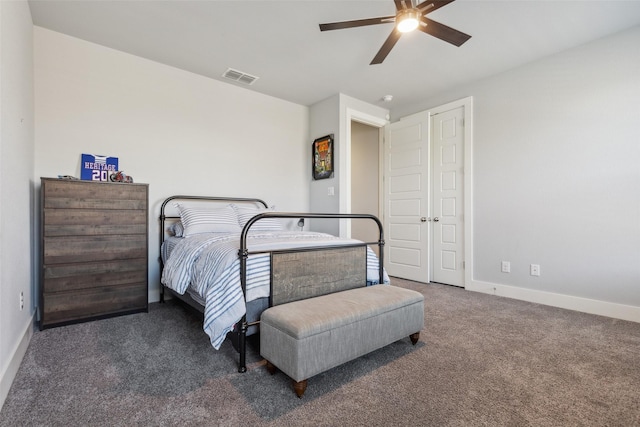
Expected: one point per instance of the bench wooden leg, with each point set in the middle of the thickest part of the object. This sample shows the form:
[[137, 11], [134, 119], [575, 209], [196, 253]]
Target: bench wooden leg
[[271, 368], [300, 387], [414, 338]]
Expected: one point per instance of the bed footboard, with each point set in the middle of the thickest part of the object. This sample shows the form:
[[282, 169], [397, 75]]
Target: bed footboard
[[309, 272], [297, 275]]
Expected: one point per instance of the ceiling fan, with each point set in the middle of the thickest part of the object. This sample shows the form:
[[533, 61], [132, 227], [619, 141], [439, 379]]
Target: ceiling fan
[[408, 17]]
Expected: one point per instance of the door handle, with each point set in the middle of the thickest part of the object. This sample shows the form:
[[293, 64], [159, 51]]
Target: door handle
[[423, 219], [436, 219]]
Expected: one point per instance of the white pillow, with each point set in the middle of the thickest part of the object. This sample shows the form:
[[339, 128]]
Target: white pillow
[[245, 213], [197, 220]]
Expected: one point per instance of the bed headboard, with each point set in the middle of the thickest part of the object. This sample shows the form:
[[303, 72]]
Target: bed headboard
[[169, 214]]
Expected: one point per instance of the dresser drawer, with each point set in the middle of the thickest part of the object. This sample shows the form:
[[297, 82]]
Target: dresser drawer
[[61, 194], [59, 250], [66, 277], [93, 222], [63, 307]]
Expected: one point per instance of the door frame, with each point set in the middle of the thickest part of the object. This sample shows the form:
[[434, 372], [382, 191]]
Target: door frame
[[345, 164], [467, 104]]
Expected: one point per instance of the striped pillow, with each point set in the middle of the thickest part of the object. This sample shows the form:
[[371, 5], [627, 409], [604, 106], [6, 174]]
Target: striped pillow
[[197, 220], [245, 213], [176, 229]]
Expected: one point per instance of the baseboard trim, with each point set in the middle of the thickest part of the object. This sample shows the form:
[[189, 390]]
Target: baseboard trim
[[584, 305], [11, 369]]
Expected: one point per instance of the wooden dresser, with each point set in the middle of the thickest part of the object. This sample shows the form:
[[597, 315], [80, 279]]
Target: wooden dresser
[[94, 238]]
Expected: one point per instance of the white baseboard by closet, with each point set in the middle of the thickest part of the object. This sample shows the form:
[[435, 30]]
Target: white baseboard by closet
[[584, 305]]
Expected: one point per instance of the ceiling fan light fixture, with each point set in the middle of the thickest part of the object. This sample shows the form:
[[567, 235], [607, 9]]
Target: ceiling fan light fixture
[[408, 20], [410, 16]]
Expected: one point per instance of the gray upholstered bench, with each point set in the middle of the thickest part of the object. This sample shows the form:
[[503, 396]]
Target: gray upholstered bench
[[304, 338]]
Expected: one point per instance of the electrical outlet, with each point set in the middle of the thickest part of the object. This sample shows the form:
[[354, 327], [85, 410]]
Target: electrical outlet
[[535, 270], [506, 267], [21, 300]]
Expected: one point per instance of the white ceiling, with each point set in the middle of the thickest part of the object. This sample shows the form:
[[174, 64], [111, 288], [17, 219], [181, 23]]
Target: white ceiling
[[280, 42]]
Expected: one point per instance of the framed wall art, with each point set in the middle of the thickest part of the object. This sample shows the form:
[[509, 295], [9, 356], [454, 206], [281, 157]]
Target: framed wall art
[[322, 153]]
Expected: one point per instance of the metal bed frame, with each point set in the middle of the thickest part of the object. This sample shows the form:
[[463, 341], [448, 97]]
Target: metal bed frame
[[244, 253]]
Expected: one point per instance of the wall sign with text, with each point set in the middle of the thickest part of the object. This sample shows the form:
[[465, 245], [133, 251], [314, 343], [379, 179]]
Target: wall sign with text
[[97, 168]]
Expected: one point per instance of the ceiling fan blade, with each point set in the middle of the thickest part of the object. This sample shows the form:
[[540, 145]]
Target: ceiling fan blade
[[386, 47], [429, 6], [443, 32], [356, 23]]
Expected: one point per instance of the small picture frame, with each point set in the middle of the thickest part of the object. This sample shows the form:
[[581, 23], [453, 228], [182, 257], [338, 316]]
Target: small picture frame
[[322, 157]]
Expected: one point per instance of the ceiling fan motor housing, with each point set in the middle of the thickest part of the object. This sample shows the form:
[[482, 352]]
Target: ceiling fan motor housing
[[407, 20]]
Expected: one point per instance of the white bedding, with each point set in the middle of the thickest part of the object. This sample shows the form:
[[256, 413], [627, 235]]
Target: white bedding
[[208, 265]]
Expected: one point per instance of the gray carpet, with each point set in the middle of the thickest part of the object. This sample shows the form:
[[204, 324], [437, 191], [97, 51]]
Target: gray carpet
[[481, 361]]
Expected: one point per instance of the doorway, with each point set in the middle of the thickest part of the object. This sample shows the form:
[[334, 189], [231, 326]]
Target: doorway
[[365, 179]]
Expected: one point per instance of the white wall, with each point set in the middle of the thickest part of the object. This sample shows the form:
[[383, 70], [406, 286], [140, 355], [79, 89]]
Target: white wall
[[324, 119], [334, 115], [16, 187], [557, 177], [179, 132]]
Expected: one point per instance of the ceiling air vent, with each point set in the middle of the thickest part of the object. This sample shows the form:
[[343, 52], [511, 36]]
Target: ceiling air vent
[[239, 76]]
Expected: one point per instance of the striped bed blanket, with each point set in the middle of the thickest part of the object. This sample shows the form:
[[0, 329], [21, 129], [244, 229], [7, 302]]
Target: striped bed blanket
[[208, 265]]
